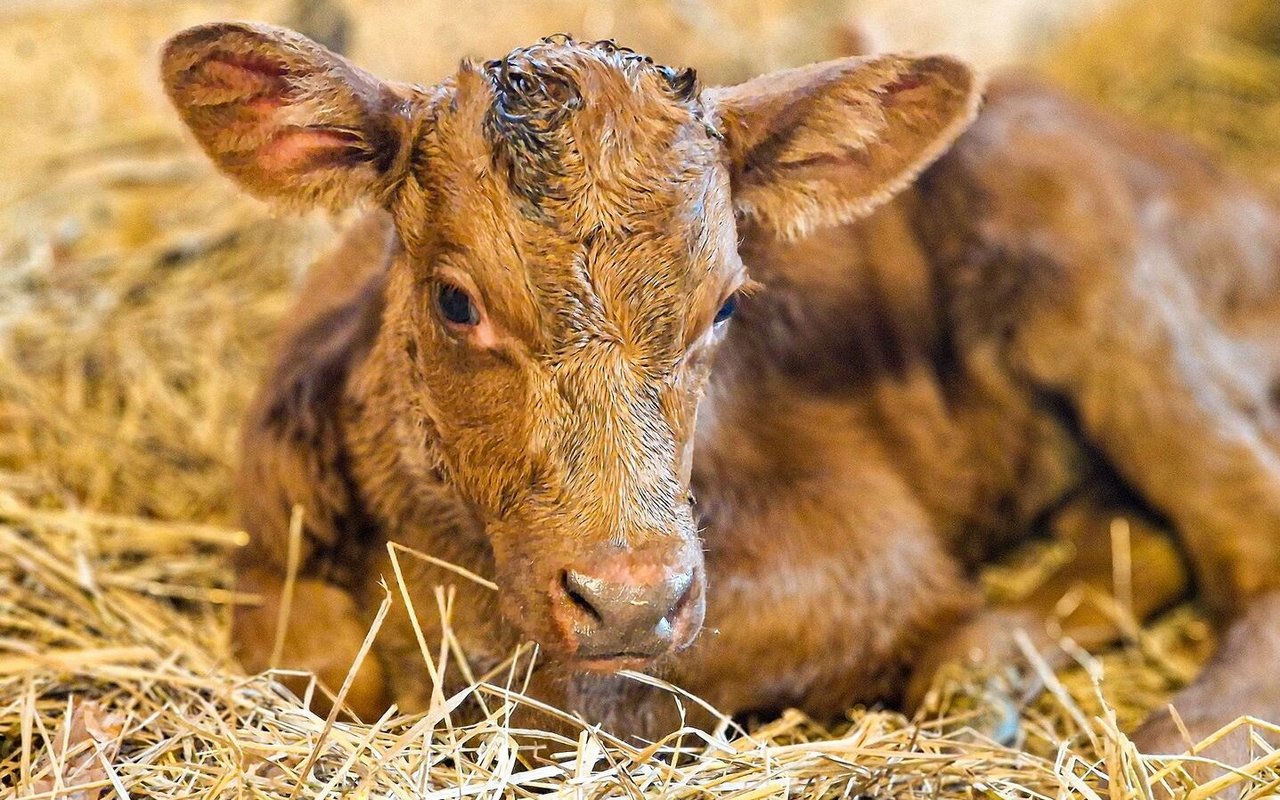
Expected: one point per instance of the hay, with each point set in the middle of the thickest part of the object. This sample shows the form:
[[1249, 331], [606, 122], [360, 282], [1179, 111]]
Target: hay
[[1206, 68], [138, 293], [114, 679]]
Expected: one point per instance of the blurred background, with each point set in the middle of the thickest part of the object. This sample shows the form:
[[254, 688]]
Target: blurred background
[[138, 289]]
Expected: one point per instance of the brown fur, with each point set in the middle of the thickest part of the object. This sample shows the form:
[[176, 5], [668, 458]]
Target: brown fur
[[1065, 319]]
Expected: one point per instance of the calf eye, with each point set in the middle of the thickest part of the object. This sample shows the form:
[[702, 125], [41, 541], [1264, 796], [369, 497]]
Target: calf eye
[[456, 306], [726, 310]]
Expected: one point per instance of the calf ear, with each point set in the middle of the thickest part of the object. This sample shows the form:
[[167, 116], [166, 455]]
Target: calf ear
[[828, 143], [288, 119]]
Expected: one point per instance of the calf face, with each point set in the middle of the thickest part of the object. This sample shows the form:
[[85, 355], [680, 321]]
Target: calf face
[[566, 264]]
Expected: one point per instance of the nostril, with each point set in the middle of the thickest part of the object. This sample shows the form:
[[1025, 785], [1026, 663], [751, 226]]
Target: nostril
[[575, 589], [681, 604]]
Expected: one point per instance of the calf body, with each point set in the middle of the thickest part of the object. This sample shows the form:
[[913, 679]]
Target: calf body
[[1063, 318]]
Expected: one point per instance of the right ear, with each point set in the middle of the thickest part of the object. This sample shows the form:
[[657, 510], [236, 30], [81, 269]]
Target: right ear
[[288, 119], [829, 143]]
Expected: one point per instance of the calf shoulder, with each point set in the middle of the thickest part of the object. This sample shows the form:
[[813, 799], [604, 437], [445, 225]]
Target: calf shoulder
[[293, 444]]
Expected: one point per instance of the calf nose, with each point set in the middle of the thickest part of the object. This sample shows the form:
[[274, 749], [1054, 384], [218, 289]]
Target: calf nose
[[620, 617]]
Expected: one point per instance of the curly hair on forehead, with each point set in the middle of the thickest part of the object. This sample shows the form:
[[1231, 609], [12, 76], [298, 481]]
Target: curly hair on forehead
[[535, 92]]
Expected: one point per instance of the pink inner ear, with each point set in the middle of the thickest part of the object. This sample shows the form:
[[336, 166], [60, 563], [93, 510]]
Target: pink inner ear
[[263, 106], [904, 83], [263, 67], [306, 148], [246, 75]]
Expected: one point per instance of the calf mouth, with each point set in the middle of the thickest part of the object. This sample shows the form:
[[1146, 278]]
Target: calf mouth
[[609, 663]]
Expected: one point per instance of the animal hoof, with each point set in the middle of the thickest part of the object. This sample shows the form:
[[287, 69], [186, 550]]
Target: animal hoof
[[982, 701]]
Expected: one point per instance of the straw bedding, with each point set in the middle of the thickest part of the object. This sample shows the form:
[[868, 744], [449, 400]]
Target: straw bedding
[[114, 679], [137, 294]]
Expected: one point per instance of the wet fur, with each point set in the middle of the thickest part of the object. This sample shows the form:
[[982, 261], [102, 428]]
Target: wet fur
[[1065, 318]]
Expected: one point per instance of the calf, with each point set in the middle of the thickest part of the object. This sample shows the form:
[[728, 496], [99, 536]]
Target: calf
[[907, 339]]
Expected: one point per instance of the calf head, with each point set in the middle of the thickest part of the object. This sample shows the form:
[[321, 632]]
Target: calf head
[[566, 267]]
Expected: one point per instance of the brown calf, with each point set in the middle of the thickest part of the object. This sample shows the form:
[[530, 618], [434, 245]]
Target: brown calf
[[1062, 320]]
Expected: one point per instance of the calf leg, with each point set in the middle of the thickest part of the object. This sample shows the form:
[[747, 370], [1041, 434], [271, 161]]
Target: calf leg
[[1158, 579], [323, 634], [1170, 399], [1098, 524], [1157, 387], [1240, 680], [1095, 280], [823, 594]]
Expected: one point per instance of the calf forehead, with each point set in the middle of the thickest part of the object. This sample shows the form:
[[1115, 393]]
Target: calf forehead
[[633, 289], [583, 129], [590, 189]]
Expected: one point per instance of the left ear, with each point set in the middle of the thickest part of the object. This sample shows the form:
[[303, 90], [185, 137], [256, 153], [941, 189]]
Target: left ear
[[287, 119], [828, 143]]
